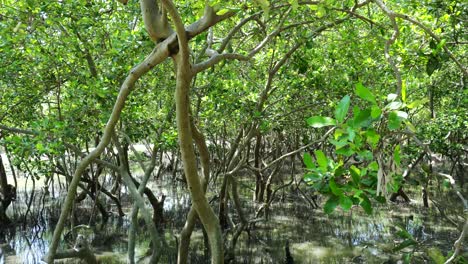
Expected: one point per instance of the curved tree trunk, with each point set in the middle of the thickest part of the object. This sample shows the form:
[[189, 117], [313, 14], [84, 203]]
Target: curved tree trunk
[[184, 77], [199, 201], [183, 250]]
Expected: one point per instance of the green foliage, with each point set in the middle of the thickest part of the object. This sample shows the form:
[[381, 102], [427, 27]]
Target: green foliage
[[361, 138], [436, 255]]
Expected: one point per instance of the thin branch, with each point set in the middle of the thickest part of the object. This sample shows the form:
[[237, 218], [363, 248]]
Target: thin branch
[[396, 32], [234, 30], [217, 58], [19, 130]]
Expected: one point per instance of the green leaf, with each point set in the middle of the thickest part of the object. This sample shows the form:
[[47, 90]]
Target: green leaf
[[342, 109], [441, 44], [410, 126], [407, 257], [331, 204], [320, 121], [265, 4], [372, 137], [375, 111], [338, 170], [417, 103], [373, 166], [355, 174], [312, 177], [365, 93], [345, 151], [363, 118], [40, 147], [294, 4], [336, 190], [339, 144], [222, 11], [345, 202], [321, 159], [394, 120], [351, 133], [403, 233], [396, 155], [308, 161], [321, 11], [366, 155], [366, 204]]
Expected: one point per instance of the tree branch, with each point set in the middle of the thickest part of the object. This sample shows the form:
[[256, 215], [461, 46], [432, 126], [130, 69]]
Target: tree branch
[[396, 32]]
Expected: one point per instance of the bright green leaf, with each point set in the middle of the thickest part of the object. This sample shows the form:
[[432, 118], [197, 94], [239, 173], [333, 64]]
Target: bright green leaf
[[321, 159], [355, 174], [417, 103], [365, 93], [320, 121], [308, 161], [375, 111], [339, 144], [374, 166], [342, 109]]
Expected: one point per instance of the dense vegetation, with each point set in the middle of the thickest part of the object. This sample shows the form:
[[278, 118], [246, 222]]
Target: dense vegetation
[[356, 103]]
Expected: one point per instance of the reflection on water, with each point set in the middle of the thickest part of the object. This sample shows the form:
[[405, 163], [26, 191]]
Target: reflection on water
[[344, 237]]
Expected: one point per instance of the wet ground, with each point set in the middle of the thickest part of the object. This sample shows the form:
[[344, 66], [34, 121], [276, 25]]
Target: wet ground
[[314, 237]]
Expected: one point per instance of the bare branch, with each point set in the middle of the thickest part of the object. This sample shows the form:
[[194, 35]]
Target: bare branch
[[19, 130], [234, 30], [396, 32], [217, 58]]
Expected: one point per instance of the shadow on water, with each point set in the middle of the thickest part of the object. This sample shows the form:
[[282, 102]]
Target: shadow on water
[[314, 237]]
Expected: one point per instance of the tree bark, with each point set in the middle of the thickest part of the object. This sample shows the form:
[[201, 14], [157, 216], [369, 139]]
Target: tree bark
[[7, 194]]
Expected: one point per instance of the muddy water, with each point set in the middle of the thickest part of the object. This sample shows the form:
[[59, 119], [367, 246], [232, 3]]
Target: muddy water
[[344, 237]]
